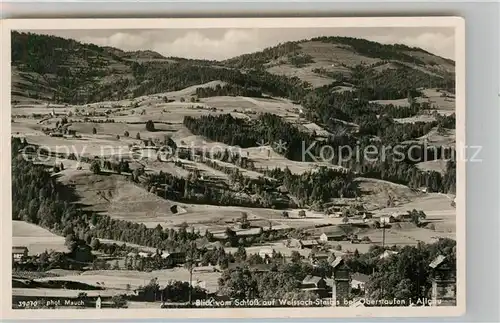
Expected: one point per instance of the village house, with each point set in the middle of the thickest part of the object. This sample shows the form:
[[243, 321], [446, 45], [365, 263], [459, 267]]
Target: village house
[[387, 219], [143, 254], [366, 216], [359, 280], [401, 217], [387, 254], [176, 258], [332, 236], [315, 284], [302, 244], [19, 252], [266, 252], [214, 245], [316, 257]]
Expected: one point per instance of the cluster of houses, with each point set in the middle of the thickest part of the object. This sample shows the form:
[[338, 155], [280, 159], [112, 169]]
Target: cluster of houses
[[350, 289], [176, 258], [19, 253], [324, 238]]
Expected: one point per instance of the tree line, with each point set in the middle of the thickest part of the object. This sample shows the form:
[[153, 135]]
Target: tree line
[[228, 90]]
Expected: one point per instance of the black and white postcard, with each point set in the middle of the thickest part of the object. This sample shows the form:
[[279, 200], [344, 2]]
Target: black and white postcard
[[233, 167]]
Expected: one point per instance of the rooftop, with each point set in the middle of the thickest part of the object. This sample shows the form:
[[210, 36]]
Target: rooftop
[[337, 262], [387, 253], [311, 280], [308, 242], [360, 277], [437, 261]]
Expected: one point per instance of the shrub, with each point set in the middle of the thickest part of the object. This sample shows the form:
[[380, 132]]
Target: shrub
[[150, 126], [95, 167]]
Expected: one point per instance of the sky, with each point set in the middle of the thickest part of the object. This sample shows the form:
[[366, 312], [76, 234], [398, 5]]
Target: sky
[[220, 44]]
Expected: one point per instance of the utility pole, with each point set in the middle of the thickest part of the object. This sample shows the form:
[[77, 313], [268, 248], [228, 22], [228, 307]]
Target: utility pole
[[383, 234], [165, 187], [190, 265]]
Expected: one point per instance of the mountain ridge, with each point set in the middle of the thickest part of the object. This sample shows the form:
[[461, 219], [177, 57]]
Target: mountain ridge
[[77, 72]]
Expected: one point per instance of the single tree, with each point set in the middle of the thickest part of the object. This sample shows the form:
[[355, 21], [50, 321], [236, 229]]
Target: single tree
[[95, 244], [95, 167], [150, 126], [295, 256]]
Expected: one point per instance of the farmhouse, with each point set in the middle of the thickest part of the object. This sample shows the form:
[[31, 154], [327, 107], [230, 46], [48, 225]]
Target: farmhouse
[[332, 236], [212, 245], [402, 216], [387, 254], [366, 216], [177, 258], [19, 252], [266, 252], [302, 244], [315, 284], [248, 232], [359, 280], [387, 219], [143, 254], [316, 257], [282, 189]]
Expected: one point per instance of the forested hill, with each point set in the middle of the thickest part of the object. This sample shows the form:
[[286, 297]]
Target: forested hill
[[347, 51], [48, 68]]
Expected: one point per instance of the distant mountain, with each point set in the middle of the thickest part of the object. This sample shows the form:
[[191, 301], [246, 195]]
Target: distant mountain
[[49, 68], [317, 59]]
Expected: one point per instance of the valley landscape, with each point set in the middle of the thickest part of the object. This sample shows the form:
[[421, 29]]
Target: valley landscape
[[146, 181]]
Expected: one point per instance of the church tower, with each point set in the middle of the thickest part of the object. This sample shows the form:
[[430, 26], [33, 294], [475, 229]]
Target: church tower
[[444, 286], [341, 283]]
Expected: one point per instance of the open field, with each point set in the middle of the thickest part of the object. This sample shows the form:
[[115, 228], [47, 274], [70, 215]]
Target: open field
[[52, 292], [438, 165], [116, 281], [376, 192], [325, 56], [446, 138], [266, 158], [306, 73], [35, 238], [443, 105], [436, 206], [418, 118]]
